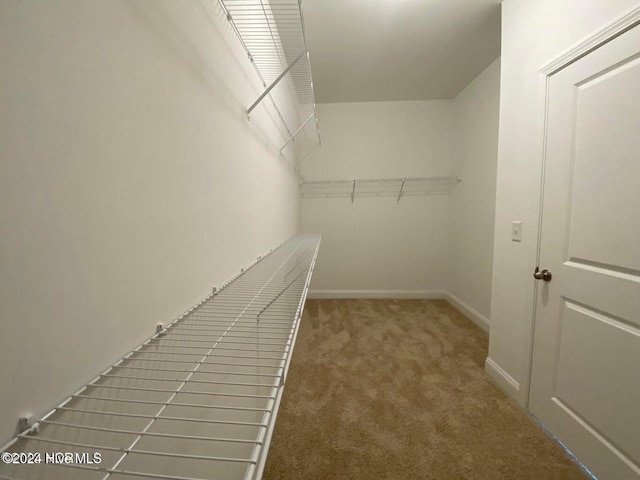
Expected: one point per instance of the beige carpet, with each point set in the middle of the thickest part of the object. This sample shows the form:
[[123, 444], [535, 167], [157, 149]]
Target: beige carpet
[[396, 389]]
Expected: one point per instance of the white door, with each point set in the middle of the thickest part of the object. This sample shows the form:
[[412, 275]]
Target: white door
[[585, 381]]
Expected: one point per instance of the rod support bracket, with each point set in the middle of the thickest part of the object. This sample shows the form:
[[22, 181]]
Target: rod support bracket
[[401, 189], [293, 137]]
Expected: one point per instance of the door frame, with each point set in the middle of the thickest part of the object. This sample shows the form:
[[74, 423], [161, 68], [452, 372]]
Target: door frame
[[597, 39]]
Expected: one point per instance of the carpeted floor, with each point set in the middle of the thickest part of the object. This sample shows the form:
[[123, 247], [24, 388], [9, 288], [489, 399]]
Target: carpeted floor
[[396, 389]]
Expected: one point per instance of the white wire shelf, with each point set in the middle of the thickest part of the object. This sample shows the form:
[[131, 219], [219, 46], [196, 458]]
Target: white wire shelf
[[272, 33], [378, 187], [196, 401]]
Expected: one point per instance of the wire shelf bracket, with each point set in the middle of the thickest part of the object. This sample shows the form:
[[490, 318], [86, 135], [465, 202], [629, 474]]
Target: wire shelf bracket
[[304, 157], [270, 87], [296, 132]]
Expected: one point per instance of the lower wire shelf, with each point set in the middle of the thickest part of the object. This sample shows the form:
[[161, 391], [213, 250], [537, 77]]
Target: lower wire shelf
[[197, 401]]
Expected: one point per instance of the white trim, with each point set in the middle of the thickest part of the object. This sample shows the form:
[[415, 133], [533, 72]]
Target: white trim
[[426, 294], [593, 41], [502, 378], [465, 309], [468, 311]]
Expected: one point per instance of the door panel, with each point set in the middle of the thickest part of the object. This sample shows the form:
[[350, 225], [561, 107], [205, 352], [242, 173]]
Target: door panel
[[585, 380], [605, 176], [590, 378]]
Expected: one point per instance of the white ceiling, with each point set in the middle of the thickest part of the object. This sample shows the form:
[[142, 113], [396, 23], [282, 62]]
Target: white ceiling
[[384, 50]]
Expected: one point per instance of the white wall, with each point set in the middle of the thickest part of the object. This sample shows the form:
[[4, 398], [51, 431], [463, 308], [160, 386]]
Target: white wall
[[473, 200], [423, 246], [130, 182], [377, 244], [533, 34]]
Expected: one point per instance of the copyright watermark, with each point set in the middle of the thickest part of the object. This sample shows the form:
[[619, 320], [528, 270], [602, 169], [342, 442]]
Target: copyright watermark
[[36, 458]]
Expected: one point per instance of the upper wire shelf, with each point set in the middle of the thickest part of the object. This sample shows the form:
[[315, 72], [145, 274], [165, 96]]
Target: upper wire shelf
[[378, 187], [273, 34]]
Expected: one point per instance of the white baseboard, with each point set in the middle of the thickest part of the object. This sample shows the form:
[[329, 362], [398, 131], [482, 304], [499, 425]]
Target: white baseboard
[[502, 378], [427, 294], [468, 311]]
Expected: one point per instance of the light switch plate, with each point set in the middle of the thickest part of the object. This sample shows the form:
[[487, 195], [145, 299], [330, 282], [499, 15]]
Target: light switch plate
[[516, 231]]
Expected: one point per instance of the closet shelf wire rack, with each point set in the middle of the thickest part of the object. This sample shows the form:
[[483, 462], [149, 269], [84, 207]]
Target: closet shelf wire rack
[[378, 187], [198, 400], [273, 35]]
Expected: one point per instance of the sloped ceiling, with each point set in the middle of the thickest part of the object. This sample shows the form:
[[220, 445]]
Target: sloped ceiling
[[389, 50]]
